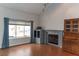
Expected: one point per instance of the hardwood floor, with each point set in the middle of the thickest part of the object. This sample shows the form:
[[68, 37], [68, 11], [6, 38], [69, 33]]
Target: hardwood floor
[[34, 50]]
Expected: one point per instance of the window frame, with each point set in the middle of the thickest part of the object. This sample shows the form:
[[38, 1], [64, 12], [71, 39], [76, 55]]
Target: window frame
[[16, 31]]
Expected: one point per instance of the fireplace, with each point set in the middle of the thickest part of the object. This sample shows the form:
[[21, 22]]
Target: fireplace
[[53, 39]]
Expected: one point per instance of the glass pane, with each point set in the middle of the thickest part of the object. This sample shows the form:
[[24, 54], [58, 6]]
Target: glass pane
[[75, 22], [27, 31], [67, 26], [68, 30], [67, 22], [12, 31], [75, 26], [20, 31]]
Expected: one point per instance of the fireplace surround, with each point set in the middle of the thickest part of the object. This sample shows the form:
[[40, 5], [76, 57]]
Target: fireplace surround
[[55, 37]]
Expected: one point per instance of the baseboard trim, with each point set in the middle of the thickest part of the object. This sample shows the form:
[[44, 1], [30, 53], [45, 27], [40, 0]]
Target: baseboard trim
[[15, 45], [19, 44]]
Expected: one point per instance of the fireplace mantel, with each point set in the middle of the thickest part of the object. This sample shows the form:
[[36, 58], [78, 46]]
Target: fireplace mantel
[[55, 30]]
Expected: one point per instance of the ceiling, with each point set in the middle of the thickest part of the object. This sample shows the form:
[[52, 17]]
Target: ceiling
[[34, 8]]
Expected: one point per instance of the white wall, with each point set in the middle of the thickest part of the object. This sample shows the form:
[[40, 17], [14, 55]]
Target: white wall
[[55, 13], [15, 14], [72, 11], [52, 19]]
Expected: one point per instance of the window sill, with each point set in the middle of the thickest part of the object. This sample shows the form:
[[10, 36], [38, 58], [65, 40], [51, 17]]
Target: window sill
[[19, 38]]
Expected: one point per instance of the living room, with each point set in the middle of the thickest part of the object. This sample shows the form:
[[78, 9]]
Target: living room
[[35, 28]]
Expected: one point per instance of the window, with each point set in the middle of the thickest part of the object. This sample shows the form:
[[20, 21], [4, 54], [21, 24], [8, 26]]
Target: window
[[12, 31], [19, 31]]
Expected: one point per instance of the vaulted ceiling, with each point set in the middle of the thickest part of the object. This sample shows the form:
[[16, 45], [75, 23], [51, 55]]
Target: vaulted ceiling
[[35, 8]]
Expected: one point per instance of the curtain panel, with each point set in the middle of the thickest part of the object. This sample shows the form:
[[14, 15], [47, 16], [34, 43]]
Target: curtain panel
[[5, 42]]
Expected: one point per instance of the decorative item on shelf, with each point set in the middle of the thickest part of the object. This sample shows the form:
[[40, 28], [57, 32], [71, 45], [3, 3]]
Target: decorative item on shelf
[[39, 27]]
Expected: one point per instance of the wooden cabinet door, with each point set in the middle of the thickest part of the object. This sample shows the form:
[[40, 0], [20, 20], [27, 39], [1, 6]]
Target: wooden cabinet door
[[75, 46], [67, 45]]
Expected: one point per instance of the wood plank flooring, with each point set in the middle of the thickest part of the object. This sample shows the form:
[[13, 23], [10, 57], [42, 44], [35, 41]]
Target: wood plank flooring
[[34, 50]]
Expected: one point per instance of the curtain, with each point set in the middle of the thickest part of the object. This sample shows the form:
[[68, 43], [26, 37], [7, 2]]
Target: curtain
[[5, 42], [32, 35]]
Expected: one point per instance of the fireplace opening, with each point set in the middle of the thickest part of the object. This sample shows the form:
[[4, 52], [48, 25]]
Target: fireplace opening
[[53, 39]]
